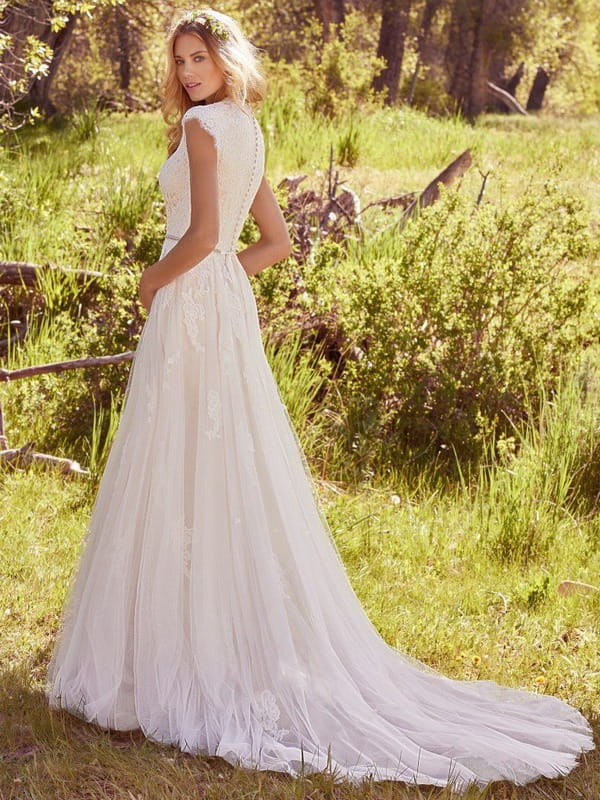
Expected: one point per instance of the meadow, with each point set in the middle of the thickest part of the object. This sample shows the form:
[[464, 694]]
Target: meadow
[[457, 555]]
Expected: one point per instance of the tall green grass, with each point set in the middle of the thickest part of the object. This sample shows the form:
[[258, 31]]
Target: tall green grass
[[125, 200], [104, 427], [301, 385], [546, 481]]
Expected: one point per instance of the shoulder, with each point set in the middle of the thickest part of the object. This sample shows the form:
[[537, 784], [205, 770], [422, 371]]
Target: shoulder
[[204, 115], [227, 122], [216, 114], [198, 112]]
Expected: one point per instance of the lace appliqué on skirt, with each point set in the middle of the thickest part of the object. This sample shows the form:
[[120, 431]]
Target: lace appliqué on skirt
[[267, 713], [188, 534], [214, 414], [194, 312]]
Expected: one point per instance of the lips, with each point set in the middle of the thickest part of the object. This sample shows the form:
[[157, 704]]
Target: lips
[[191, 85]]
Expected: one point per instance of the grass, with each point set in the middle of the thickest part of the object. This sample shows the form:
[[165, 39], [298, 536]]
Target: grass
[[463, 577], [398, 150], [425, 566], [416, 563], [401, 150]]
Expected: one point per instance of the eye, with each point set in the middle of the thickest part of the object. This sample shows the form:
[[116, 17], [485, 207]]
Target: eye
[[199, 58]]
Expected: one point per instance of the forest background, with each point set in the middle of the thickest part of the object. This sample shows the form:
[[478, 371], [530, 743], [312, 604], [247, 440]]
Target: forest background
[[441, 367]]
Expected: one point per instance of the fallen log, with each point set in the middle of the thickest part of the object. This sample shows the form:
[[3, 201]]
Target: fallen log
[[27, 455], [506, 97], [24, 272], [61, 366], [14, 453], [403, 200], [569, 587], [432, 192]]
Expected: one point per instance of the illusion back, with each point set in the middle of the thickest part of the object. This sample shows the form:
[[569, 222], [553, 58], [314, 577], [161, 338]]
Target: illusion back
[[240, 163]]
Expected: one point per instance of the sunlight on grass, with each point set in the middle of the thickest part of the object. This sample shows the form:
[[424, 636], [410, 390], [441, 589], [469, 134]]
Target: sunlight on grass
[[416, 567]]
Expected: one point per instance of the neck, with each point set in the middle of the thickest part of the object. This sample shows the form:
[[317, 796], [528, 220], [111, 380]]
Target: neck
[[219, 95]]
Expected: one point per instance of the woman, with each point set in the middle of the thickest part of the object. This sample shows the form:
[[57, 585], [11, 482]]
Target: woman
[[211, 608]]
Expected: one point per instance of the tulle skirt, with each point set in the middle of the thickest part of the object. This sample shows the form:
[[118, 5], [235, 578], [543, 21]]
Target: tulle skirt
[[210, 606]]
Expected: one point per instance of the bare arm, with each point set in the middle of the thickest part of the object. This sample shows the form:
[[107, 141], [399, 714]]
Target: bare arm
[[202, 236], [274, 242]]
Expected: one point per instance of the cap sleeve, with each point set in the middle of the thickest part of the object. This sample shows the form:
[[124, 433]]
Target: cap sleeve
[[205, 116]]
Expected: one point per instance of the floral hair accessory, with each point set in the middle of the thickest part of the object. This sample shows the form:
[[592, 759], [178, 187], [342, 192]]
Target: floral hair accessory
[[212, 24]]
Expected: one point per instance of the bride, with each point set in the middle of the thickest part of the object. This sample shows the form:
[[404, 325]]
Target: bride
[[210, 607]]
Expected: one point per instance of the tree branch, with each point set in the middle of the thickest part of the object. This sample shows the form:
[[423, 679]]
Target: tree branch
[[7, 375], [18, 272]]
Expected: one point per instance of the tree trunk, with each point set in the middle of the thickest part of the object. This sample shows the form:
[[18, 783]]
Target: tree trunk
[[30, 18], [124, 47], [513, 82], [331, 14], [457, 49], [429, 12], [339, 11], [538, 90], [480, 60], [394, 25], [476, 41], [39, 94]]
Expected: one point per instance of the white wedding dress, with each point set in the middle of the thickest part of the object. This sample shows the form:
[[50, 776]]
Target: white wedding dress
[[210, 607]]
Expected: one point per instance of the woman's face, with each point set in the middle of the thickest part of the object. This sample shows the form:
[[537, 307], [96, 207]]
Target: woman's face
[[196, 69]]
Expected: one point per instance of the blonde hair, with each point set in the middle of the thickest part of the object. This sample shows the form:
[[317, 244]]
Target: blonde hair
[[231, 51]]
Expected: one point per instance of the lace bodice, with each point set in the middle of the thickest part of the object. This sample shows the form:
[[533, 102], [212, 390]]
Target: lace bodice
[[240, 166]]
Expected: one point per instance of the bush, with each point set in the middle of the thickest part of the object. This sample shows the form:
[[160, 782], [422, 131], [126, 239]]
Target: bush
[[57, 411], [452, 324]]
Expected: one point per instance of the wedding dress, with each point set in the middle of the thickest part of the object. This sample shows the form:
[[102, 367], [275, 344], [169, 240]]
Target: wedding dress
[[211, 607]]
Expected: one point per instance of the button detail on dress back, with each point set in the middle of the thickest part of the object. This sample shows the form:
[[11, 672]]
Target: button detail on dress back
[[240, 150]]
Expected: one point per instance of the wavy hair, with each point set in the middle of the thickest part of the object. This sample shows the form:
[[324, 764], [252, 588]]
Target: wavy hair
[[231, 51]]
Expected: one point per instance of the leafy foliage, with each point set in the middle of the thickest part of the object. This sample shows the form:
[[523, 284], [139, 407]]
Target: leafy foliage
[[339, 73], [442, 332], [433, 337]]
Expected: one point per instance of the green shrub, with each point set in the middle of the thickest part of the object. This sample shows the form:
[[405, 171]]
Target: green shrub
[[451, 324]]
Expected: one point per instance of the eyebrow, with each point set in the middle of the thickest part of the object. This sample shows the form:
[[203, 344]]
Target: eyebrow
[[195, 53]]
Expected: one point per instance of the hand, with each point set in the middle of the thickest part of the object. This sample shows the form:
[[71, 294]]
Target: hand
[[146, 291]]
